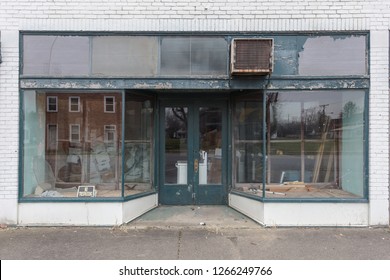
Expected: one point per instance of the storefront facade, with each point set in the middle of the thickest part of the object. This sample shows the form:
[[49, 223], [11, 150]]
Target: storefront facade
[[288, 126]]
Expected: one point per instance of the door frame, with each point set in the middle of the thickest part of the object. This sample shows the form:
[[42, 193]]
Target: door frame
[[203, 193]]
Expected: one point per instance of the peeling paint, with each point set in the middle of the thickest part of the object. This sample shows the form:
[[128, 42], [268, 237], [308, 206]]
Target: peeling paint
[[166, 85], [276, 82], [333, 56]]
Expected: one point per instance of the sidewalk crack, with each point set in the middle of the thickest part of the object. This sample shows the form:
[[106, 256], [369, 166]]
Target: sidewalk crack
[[179, 244]]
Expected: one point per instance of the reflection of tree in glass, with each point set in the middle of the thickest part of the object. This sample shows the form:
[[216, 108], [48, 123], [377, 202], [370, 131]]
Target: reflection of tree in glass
[[180, 114], [349, 109], [176, 122]]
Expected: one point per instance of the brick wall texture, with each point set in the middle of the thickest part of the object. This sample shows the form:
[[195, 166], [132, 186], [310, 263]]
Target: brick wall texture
[[198, 15]]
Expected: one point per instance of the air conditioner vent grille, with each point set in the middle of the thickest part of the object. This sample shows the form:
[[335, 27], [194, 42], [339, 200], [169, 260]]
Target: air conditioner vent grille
[[252, 56]]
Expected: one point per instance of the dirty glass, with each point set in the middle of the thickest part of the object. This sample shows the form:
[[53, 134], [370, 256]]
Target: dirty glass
[[208, 56], [210, 144], [138, 145], [176, 145], [55, 55], [65, 150], [124, 56], [333, 56], [315, 144], [186, 56], [175, 56], [248, 143]]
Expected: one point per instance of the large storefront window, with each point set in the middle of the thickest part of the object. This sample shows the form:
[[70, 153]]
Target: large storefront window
[[73, 143], [315, 144], [70, 141]]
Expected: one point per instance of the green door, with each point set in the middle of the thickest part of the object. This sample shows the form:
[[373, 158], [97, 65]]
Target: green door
[[193, 151]]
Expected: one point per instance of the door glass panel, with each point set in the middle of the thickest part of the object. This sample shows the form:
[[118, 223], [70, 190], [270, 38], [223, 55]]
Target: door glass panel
[[210, 145], [176, 125]]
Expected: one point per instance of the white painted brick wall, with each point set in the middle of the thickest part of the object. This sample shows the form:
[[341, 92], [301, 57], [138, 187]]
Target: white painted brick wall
[[197, 15], [379, 127], [9, 125]]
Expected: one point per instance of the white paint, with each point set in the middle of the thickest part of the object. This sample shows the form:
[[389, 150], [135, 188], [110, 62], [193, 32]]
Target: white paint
[[315, 214], [379, 128], [377, 215], [84, 213], [301, 214], [8, 211], [70, 214], [252, 208], [134, 208]]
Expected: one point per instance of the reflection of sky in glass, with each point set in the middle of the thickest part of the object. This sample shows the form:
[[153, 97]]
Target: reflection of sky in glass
[[326, 55], [56, 55], [289, 103]]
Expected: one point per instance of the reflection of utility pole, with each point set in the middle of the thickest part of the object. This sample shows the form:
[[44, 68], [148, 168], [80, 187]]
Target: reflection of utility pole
[[324, 123], [323, 108], [323, 119]]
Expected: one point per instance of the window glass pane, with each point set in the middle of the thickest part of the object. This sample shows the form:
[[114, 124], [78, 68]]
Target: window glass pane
[[210, 142], [109, 104], [315, 144], [52, 104], [208, 56], [248, 144], [184, 56], [176, 145], [55, 55], [333, 55], [74, 104], [74, 133], [64, 150], [124, 56], [175, 56], [138, 152]]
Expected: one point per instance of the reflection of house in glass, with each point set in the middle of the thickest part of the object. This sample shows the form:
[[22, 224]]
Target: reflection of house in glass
[[83, 138]]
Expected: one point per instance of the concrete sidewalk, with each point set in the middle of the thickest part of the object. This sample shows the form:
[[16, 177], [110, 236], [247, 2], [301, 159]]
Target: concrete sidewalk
[[193, 233]]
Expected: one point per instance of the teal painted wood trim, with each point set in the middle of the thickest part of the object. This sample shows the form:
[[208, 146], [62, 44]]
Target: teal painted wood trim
[[68, 199], [156, 141], [155, 84], [296, 83], [366, 157], [264, 142], [91, 200], [139, 195], [21, 145], [300, 200], [123, 142]]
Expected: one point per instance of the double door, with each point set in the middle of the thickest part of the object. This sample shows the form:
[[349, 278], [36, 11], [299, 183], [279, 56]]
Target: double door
[[193, 152]]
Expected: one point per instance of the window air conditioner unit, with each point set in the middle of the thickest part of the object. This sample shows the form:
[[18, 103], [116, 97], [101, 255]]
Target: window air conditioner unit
[[251, 56]]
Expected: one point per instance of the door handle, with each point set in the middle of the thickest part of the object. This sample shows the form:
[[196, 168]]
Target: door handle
[[196, 165]]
